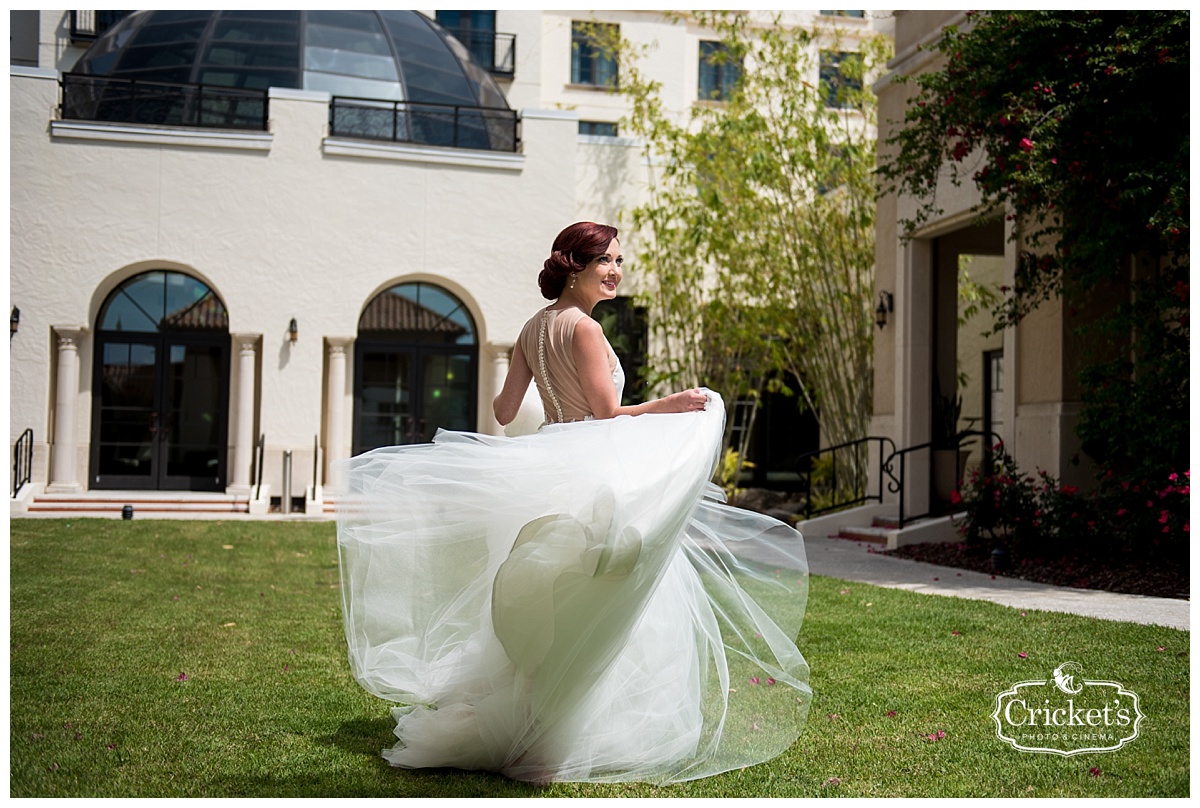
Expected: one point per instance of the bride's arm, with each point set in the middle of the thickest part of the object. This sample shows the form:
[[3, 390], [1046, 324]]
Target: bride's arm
[[595, 377], [506, 405]]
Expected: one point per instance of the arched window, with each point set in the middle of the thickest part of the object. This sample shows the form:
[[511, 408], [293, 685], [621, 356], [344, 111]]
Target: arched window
[[416, 367], [161, 382]]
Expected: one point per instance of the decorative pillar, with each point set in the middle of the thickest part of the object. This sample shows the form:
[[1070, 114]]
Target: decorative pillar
[[63, 476], [243, 442], [499, 374], [335, 409]]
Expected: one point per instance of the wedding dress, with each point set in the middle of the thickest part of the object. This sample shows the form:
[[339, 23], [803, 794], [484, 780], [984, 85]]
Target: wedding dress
[[576, 604]]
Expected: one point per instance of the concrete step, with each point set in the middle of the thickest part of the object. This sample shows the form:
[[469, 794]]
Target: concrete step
[[875, 533], [108, 503]]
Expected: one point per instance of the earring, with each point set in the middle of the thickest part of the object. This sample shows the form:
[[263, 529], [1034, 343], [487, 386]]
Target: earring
[[573, 279]]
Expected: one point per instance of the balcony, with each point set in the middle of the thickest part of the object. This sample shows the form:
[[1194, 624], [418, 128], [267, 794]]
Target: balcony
[[155, 103], [446, 125], [496, 52]]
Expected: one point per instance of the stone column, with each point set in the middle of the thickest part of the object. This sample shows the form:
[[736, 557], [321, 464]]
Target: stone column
[[243, 443], [335, 409], [499, 374], [63, 476]]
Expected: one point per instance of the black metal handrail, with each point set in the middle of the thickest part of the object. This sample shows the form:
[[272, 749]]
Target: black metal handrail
[[896, 486], [22, 461], [160, 103], [316, 464], [804, 465], [258, 466], [496, 52], [454, 125], [86, 26]]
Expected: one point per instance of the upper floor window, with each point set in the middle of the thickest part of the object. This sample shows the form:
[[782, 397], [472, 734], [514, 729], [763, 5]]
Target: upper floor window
[[719, 72], [598, 128], [858, 14], [590, 64], [477, 30], [835, 81]]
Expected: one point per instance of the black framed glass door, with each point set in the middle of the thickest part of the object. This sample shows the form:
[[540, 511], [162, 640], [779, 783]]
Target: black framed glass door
[[406, 393], [415, 367], [161, 417]]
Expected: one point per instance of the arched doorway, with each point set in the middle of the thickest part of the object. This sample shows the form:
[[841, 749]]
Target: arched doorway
[[415, 367], [160, 398]]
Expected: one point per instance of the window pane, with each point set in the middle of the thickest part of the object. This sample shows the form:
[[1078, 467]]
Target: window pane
[[598, 128], [589, 63], [834, 80]]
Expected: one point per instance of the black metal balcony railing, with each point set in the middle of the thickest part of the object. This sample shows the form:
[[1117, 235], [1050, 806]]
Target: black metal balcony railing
[[496, 52], [462, 127], [88, 25], [22, 461], [97, 98]]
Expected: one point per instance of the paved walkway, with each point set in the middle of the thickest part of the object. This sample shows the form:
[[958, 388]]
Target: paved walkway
[[853, 561]]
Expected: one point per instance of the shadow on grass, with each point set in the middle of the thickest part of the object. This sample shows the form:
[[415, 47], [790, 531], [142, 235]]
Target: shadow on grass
[[366, 738]]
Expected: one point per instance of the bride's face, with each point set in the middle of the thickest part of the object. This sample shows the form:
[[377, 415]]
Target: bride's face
[[602, 275]]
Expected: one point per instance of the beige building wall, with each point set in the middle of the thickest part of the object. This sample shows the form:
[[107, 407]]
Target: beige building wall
[[291, 223], [1039, 406]]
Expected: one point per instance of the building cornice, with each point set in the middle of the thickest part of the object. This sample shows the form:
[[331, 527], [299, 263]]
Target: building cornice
[[163, 135], [916, 57], [410, 153]]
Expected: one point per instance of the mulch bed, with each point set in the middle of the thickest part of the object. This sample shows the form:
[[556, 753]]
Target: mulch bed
[[1128, 575]]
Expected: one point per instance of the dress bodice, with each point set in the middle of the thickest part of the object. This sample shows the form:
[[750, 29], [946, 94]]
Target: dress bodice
[[547, 341]]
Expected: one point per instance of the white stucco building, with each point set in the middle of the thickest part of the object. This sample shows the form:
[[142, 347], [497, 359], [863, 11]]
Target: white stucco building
[[194, 273]]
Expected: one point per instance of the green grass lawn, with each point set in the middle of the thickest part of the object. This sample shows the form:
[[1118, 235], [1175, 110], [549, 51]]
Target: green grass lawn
[[172, 658]]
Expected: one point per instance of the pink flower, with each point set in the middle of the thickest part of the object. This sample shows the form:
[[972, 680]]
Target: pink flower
[[182, 677], [753, 680], [770, 681], [1022, 655], [1026, 144], [1161, 648], [956, 633], [891, 713]]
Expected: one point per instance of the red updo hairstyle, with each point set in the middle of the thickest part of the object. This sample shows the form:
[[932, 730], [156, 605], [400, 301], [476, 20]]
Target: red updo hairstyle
[[575, 247]]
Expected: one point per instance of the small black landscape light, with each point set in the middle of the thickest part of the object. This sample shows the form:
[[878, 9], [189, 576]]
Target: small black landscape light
[[293, 331], [999, 559], [881, 311], [14, 321], [127, 512]]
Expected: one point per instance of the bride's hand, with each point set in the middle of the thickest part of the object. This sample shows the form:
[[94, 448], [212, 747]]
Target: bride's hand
[[686, 401]]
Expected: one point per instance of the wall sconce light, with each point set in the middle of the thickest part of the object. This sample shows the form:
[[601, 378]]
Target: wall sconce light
[[14, 322], [882, 310], [293, 331]]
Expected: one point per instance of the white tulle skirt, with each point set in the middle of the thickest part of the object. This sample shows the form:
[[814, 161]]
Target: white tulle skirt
[[573, 605]]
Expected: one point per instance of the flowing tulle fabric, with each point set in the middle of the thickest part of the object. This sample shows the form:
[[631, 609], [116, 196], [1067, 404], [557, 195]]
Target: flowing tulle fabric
[[573, 605]]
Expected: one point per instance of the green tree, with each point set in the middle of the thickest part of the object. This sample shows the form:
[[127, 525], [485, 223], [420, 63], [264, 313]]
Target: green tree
[[757, 247], [1075, 125]]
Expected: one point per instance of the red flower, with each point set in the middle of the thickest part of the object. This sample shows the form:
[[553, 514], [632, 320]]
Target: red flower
[[1026, 144]]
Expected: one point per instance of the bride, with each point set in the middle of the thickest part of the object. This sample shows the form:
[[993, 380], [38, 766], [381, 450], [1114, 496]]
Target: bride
[[576, 604]]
